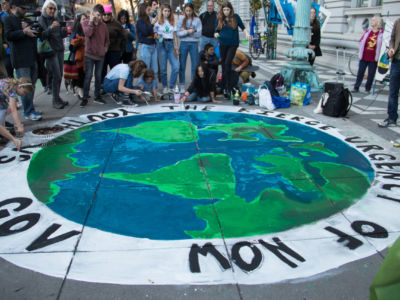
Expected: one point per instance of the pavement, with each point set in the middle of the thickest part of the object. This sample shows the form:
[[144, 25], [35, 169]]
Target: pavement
[[332, 268]]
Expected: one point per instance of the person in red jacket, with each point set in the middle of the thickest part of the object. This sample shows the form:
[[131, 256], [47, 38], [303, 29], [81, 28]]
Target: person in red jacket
[[96, 44]]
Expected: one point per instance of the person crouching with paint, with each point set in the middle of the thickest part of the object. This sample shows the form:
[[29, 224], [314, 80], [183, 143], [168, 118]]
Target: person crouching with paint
[[122, 78], [10, 89], [203, 86], [148, 83]]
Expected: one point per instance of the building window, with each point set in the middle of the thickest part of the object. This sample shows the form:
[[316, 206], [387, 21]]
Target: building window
[[362, 3]]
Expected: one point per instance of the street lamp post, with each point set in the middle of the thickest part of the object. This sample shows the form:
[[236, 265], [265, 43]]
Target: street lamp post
[[299, 69]]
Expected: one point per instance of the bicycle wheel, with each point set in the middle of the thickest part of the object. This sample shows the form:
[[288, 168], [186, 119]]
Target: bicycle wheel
[[353, 64], [255, 49]]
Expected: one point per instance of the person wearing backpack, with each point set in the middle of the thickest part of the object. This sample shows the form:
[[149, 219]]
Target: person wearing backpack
[[394, 85]]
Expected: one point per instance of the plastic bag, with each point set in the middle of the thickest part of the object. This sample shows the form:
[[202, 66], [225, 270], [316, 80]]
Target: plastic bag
[[300, 93], [265, 99]]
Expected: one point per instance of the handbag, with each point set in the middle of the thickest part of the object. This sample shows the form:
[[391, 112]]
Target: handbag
[[44, 49], [71, 71]]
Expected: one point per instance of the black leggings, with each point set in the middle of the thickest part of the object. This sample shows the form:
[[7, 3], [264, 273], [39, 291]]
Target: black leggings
[[227, 55]]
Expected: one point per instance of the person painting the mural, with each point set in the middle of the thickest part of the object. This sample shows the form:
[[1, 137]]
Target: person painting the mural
[[239, 62], [120, 79], [167, 46], [148, 83], [370, 45], [394, 85], [315, 36], [10, 89], [228, 34], [203, 86], [189, 33]]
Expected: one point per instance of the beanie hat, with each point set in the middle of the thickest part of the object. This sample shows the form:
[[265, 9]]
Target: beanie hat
[[107, 9]]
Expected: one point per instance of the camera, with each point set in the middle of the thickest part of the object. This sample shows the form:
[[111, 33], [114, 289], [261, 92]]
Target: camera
[[32, 19]]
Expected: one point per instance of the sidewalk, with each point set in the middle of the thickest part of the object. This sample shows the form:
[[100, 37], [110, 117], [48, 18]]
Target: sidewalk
[[335, 257]]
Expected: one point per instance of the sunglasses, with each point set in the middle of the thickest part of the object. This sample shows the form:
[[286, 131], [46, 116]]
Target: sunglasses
[[52, 8], [108, 15]]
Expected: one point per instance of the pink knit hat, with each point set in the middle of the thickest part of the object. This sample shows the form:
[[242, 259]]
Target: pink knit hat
[[107, 9]]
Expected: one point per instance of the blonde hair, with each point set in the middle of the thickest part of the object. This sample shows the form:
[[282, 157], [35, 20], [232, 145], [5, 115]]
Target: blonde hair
[[47, 3], [23, 82], [379, 20]]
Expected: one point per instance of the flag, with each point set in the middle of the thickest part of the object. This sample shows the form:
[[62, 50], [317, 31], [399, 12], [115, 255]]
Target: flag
[[253, 26]]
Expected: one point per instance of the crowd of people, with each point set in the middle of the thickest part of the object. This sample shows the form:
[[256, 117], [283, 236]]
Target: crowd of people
[[103, 44]]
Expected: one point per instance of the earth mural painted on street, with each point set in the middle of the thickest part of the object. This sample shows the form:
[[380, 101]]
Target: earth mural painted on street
[[186, 175]]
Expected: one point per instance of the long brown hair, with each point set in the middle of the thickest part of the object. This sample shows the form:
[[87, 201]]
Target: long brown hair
[[231, 18], [142, 13], [171, 18], [184, 22], [315, 23], [137, 67]]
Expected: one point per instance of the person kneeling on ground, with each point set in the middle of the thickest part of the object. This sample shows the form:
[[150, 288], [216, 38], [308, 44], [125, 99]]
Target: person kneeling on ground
[[209, 57], [10, 88], [241, 61], [148, 83], [203, 87], [120, 80]]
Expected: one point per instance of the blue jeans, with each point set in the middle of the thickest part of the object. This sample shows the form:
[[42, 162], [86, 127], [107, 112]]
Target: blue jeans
[[207, 40], [195, 97], [148, 54], [111, 86], [371, 73], [31, 73], [394, 90], [166, 52], [97, 65], [186, 48]]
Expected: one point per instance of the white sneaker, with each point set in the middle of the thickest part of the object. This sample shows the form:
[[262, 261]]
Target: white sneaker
[[165, 90], [182, 90]]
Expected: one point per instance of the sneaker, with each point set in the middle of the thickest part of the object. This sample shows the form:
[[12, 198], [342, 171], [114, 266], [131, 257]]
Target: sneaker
[[116, 98], [165, 90], [58, 105], [387, 123], [63, 101], [182, 89], [355, 90], [99, 100], [83, 103], [37, 113], [33, 117]]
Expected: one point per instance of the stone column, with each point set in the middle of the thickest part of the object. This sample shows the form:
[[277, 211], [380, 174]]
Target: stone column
[[299, 69]]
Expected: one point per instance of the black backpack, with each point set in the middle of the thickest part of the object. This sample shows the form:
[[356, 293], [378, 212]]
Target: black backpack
[[338, 103]]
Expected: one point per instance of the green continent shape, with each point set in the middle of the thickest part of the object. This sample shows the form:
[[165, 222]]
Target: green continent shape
[[247, 131], [187, 177], [316, 147], [291, 168], [173, 131], [43, 175], [273, 211]]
